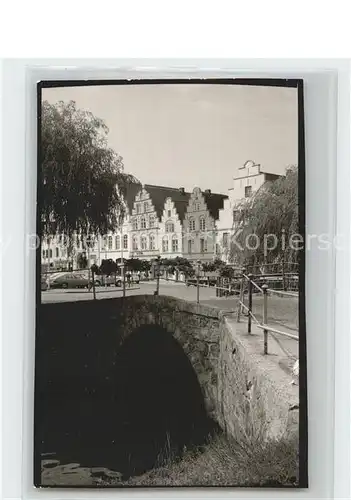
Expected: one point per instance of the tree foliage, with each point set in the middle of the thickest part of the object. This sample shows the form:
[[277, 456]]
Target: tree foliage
[[136, 265], [82, 179], [108, 267], [178, 265], [272, 210]]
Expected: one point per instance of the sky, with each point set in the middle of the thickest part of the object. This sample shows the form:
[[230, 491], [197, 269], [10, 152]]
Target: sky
[[187, 135]]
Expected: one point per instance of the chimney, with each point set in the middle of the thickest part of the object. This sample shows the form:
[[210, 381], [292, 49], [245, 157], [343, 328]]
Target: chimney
[[208, 191], [182, 190]]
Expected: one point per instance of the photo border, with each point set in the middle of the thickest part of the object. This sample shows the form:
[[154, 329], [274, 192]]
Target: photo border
[[249, 81]]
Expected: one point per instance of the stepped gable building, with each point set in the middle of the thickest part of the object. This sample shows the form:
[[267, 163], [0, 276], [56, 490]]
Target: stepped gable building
[[199, 226], [149, 221], [171, 223]]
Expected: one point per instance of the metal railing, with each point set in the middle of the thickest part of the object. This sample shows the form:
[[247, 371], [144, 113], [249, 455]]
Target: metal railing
[[265, 291]]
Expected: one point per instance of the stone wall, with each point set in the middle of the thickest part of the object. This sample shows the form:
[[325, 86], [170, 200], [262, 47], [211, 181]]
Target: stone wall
[[254, 396], [244, 391]]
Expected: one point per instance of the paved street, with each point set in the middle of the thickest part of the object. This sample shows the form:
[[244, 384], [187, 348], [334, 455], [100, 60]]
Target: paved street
[[179, 290]]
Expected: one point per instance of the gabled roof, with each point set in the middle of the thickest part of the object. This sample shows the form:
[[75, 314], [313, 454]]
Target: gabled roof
[[214, 202], [131, 190], [159, 194]]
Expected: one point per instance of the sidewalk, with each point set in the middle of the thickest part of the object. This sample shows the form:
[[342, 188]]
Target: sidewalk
[[282, 351]]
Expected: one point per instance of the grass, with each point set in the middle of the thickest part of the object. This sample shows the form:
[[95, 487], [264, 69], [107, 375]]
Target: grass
[[223, 462]]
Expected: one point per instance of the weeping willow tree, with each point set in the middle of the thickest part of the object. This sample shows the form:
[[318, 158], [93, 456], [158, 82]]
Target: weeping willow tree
[[267, 224], [82, 180]]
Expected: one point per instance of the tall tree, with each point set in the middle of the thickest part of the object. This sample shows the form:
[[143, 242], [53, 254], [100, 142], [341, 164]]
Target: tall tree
[[82, 179], [270, 215]]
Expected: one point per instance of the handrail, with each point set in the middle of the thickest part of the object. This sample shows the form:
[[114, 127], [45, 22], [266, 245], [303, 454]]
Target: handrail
[[282, 292], [274, 330]]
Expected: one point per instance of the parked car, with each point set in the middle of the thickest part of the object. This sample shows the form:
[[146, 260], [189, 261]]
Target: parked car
[[102, 280], [44, 284], [70, 280]]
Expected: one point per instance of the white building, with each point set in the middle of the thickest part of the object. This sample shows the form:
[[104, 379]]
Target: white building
[[247, 181]]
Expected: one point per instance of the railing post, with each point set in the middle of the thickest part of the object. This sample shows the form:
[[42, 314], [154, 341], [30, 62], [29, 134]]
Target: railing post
[[93, 278], [243, 289], [283, 276], [250, 304], [123, 276], [158, 271], [265, 318], [241, 296], [198, 282]]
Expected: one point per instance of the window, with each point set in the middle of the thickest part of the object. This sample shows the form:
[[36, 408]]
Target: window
[[104, 242], [50, 253], [165, 244], [152, 242], [135, 243], [192, 224], [248, 191], [125, 241], [143, 223], [57, 254], [135, 224], [143, 243], [110, 242], [218, 251], [236, 215], [138, 208], [190, 246], [202, 224], [169, 227], [146, 206], [43, 254], [174, 243], [47, 254], [117, 242], [225, 240], [203, 245], [169, 213], [197, 206], [151, 221]]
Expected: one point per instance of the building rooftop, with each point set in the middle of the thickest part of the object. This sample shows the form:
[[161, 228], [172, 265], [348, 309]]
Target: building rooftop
[[214, 202], [159, 194]]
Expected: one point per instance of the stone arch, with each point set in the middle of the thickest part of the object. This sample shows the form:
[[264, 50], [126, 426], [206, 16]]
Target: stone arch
[[160, 396]]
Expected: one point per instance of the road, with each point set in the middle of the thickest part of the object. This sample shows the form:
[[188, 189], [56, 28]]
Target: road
[[178, 290], [282, 312]]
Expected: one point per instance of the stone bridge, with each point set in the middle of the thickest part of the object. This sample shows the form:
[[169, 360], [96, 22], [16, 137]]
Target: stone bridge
[[160, 342]]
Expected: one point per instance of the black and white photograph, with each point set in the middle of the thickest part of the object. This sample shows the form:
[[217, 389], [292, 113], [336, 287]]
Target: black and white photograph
[[170, 344]]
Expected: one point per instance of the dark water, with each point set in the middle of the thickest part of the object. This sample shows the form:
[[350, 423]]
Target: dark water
[[150, 407]]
